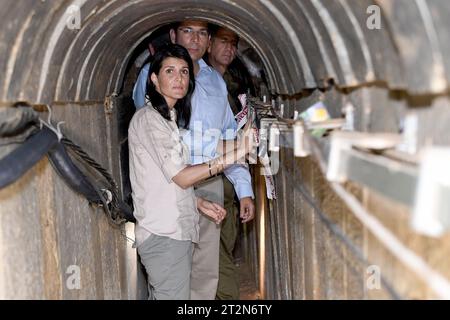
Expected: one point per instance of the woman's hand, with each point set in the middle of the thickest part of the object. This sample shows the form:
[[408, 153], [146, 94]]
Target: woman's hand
[[211, 209]]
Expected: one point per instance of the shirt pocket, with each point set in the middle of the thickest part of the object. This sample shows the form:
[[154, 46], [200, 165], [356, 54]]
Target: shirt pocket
[[187, 206]]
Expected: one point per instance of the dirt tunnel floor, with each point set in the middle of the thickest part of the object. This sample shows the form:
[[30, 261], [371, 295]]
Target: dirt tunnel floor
[[248, 289]]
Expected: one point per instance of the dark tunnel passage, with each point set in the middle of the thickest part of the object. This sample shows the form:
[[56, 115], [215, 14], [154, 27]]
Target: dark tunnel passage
[[387, 58]]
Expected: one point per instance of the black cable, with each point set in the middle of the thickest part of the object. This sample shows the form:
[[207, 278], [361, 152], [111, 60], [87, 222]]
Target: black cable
[[14, 120], [19, 138], [16, 127], [29, 153], [91, 162], [73, 177]]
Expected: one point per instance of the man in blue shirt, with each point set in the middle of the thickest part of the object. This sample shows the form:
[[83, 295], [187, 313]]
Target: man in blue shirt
[[211, 121], [222, 56], [140, 87]]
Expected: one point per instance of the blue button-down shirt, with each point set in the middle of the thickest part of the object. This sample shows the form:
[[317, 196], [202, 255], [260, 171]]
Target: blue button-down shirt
[[140, 86], [211, 120]]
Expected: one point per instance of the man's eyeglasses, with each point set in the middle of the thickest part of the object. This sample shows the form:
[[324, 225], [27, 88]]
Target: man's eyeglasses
[[189, 32]]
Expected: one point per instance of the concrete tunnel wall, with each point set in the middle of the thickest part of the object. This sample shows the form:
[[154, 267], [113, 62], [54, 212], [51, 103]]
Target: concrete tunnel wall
[[304, 45]]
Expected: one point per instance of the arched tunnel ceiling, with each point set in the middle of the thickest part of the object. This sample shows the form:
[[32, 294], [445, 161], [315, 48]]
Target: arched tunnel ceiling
[[303, 43]]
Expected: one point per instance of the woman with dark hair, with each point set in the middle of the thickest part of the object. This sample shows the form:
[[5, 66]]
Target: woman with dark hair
[[165, 205]]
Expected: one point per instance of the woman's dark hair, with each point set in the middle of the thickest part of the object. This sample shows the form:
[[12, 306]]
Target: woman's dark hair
[[183, 105]]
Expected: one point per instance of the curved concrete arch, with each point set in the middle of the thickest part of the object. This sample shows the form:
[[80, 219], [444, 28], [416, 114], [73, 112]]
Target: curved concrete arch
[[303, 44]]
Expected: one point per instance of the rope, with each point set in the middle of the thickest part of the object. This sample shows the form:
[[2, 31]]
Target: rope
[[94, 164]]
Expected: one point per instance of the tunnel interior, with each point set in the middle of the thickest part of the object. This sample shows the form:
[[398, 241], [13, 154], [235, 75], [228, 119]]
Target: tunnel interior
[[304, 51], [310, 50]]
